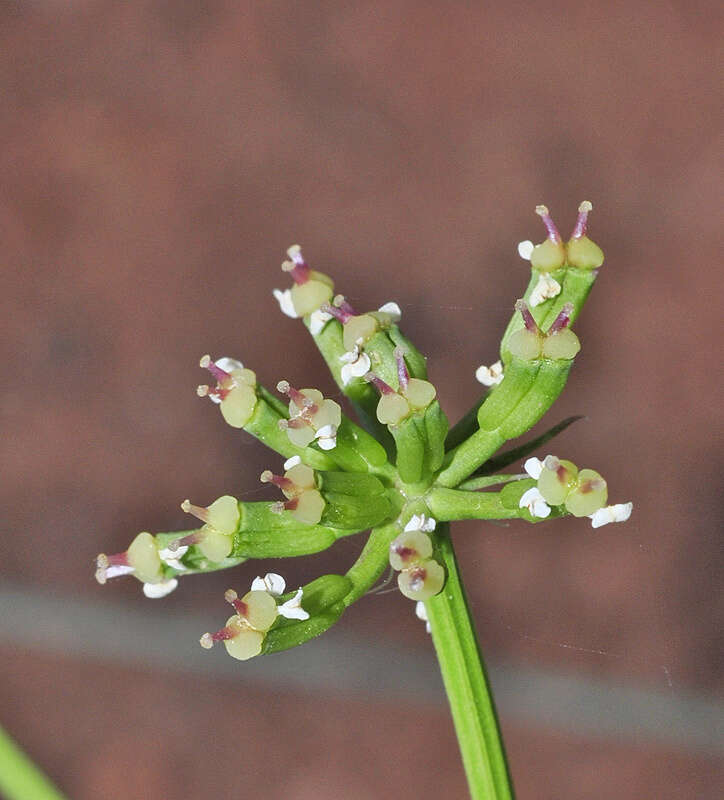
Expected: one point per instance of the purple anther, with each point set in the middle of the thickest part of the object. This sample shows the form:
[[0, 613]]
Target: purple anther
[[544, 214], [579, 229], [563, 319], [341, 315], [530, 324]]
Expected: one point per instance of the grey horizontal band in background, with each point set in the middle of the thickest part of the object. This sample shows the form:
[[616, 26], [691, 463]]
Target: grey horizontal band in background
[[350, 665]]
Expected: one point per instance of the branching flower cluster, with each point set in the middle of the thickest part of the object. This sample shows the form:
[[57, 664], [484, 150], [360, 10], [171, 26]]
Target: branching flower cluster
[[397, 473]]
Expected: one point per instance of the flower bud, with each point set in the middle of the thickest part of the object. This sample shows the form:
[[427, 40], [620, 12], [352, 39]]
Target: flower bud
[[557, 479]]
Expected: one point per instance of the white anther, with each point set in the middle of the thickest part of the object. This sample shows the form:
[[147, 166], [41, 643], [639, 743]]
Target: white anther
[[616, 513], [534, 501], [546, 288], [489, 376]]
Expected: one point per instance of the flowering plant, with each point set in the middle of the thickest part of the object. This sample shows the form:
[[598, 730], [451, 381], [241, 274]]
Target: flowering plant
[[402, 474]]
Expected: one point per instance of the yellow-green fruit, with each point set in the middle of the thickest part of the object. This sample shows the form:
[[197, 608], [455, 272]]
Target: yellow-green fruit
[[310, 506], [590, 494], [215, 545], [310, 295], [246, 642], [224, 514], [421, 581], [548, 256], [419, 393], [563, 344], [363, 327], [525, 344], [261, 609], [238, 405], [392, 408], [144, 558], [408, 548], [556, 484], [584, 254]]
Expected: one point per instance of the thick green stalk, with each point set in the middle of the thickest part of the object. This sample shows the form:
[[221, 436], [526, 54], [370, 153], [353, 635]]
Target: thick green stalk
[[466, 684], [20, 779]]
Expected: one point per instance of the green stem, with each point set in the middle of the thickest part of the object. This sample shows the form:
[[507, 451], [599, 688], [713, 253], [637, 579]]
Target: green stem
[[466, 684], [20, 779], [450, 504]]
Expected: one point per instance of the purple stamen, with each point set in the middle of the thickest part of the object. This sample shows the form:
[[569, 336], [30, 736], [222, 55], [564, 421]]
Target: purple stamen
[[544, 214], [379, 384], [530, 324], [340, 314], [563, 319], [402, 374], [580, 227]]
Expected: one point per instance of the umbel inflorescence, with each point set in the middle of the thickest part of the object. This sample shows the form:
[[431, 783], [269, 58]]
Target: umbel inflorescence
[[398, 472]]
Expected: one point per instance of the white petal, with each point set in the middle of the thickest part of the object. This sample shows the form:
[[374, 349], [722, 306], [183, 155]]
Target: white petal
[[358, 364], [292, 462], [525, 249], [535, 503], [489, 376], [546, 288], [292, 609], [616, 513], [419, 522], [284, 298], [317, 320], [393, 310], [228, 364], [350, 356], [533, 466], [116, 571], [421, 611], [156, 590], [326, 437], [172, 557], [271, 582]]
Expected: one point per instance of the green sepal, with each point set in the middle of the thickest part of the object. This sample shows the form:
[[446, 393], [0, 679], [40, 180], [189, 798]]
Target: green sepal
[[548, 384], [409, 435], [354, 484], [264, 425], [415, 360], [518, 379], [436, 428], [355, 512], [381, 352], [357, 451]]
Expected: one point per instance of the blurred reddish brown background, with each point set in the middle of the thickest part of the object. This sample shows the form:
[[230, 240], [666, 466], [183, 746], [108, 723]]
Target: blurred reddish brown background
[[156, 159]]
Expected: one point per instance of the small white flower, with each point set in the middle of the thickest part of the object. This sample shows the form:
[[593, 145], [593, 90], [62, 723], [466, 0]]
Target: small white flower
[[172, 558], [617, 513], [292, 462], [546, 288], [284, 298], [489, 376], [525, 249], [326, 437], [393, 310], [535, 503], [271, 582], [419, 522], [356, 364], [317, 320], [161, 589], [421, 613], [292, 609], [534, 466]]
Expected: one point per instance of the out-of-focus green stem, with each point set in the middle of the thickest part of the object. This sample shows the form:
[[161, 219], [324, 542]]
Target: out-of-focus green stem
[[466, 684], [20, 779]]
